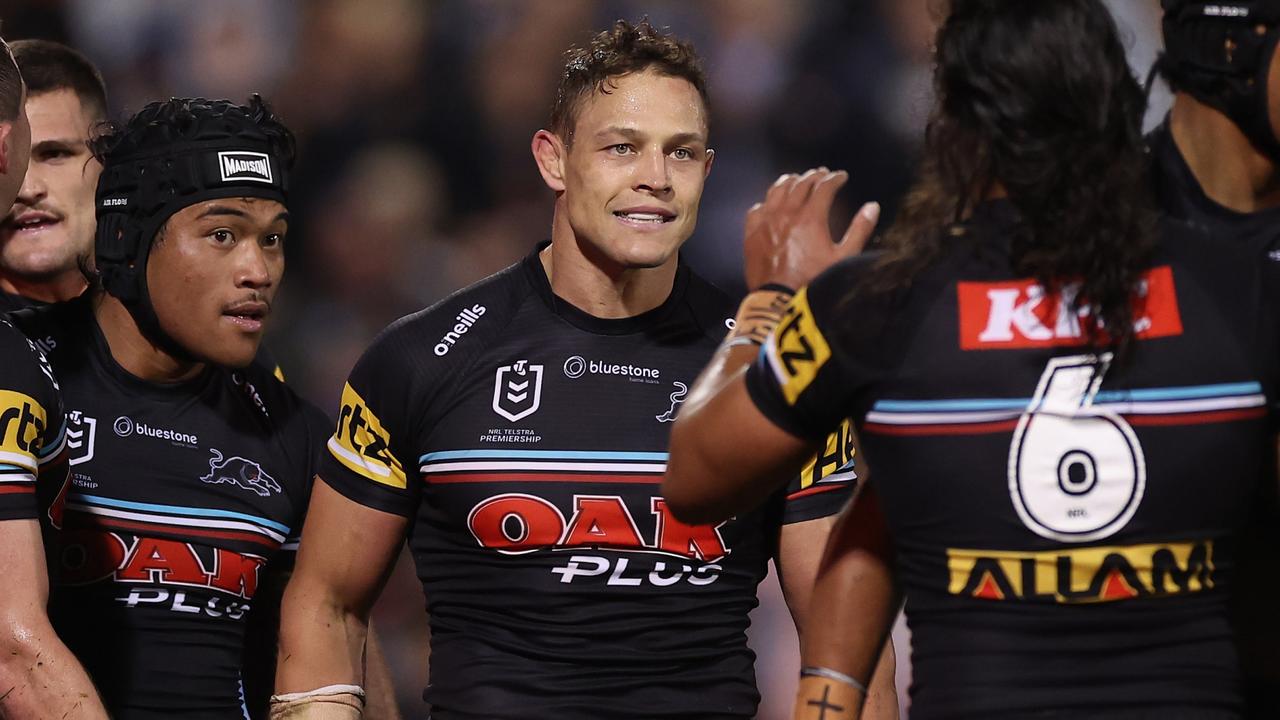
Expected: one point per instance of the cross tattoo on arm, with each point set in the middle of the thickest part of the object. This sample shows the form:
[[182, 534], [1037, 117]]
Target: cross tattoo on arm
[[824, 704]]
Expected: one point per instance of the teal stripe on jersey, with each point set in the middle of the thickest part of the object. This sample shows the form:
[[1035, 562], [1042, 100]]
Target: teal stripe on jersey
[[175, 510], [541, 455]]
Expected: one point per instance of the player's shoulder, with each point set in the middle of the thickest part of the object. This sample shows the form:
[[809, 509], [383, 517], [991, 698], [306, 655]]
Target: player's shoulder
[[455, 326], [18, 355], [275, 403], [711, 308]]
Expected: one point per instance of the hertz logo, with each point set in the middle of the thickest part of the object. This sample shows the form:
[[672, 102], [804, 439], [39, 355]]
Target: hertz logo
[[22, 426], [1085, 575], [797, 350], [363, 445]]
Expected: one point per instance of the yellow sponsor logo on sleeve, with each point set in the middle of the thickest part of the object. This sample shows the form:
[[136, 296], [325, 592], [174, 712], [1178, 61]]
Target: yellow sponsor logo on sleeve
[[797, 350], [22, 428], [837, 454], [363, 445]]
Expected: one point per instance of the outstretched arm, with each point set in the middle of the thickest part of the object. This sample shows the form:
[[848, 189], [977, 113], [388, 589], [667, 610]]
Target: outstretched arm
[[39, 677], [346, 554]]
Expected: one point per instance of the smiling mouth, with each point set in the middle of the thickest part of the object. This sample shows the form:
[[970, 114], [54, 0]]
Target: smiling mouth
[[644, 217], [31, 224]]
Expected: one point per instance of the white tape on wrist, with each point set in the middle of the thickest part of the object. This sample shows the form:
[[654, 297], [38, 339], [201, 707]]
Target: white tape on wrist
[[325, 691]]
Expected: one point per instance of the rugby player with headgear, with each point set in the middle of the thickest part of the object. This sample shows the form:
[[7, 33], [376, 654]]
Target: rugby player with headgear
[[191, 468], [48, 233], [1217, 164], [1064, 401], [517, 432], [38, 675]]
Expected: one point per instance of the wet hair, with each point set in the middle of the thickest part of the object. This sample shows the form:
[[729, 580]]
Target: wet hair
[[48, 66], [1036, 98], [620, 50], [10, 85]]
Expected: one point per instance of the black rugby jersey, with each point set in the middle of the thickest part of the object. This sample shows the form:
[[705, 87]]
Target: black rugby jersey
[[180, 497], [1181, 196], [526, 440], [32, 426], [1064, 546], [10, 302]]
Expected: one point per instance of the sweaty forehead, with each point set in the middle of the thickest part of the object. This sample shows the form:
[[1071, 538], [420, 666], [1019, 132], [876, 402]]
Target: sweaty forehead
[[647, 102]]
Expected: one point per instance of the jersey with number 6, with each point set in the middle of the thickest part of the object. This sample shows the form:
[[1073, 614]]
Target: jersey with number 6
[[526, 440], [1064, 521]]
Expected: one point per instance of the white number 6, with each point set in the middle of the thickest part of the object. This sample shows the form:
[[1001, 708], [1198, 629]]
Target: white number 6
[[1076, 471]]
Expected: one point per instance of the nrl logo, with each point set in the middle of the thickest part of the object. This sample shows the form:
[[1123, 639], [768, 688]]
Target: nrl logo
[[241, 472], [241, 165], [80, 437], [517, 390]]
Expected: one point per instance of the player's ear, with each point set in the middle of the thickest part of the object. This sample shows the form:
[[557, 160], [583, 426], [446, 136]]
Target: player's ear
[[711, 160], [549, 152], [6, 138]]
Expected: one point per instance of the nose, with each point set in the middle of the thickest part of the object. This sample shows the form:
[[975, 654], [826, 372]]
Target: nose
[[253, 267], [34, 189], [654, 175]]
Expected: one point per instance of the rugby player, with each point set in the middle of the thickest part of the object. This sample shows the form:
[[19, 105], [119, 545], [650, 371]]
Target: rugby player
[[49, 231], [516, 432], [1217, 164], [190, 475], [38, 675], [1040, 376]]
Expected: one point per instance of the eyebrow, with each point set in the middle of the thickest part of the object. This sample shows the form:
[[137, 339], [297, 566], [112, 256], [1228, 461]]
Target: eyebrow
[[217, 210], [633, 134], [59, 144]]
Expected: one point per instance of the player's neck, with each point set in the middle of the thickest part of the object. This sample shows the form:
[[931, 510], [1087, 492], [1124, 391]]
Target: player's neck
[[133, 351], [65, 286], [597, 289], [1230, 170]]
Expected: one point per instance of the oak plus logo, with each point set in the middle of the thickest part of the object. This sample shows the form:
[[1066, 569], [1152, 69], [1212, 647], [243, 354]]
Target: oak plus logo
[[517, 390], [241, 165]]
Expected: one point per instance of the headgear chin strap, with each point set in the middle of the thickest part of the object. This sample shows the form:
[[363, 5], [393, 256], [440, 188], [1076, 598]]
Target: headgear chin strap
[[137, 193], [1220, 53]]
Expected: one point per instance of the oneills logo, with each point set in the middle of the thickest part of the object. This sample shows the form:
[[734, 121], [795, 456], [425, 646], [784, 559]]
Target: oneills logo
[[1085, 575], [237, 166]]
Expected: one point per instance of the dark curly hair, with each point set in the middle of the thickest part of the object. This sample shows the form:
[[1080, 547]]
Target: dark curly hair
[[160, 124], [1037, 98], [622, 49]]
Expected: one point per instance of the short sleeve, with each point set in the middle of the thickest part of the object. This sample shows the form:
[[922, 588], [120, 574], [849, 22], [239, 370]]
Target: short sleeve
[[827, 481], [370, 453], [800, 381], [32, 428]]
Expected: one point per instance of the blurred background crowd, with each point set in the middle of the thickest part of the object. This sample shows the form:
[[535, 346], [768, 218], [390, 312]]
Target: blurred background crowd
[[415, 179]]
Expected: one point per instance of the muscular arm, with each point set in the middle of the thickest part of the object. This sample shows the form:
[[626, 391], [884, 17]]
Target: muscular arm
[[38, 675], [799, 558], [726, 457], [346, 554], [857, 599]]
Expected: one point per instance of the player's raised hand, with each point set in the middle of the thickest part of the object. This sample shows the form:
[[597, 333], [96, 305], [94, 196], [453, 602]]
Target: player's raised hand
[[787, 239]]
